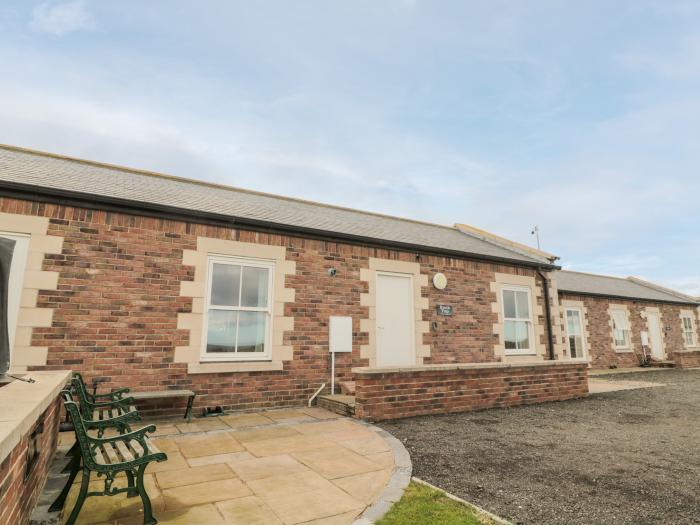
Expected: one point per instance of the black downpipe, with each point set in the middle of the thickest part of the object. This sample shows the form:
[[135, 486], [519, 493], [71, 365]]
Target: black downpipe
[[548, 315]]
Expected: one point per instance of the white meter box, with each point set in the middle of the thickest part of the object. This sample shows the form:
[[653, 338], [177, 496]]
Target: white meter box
[[339, 334]]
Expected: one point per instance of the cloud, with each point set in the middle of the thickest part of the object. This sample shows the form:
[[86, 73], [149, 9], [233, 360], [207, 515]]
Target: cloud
[[61, 19]]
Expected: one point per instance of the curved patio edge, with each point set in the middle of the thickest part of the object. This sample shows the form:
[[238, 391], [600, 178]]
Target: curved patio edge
[[400, 478]]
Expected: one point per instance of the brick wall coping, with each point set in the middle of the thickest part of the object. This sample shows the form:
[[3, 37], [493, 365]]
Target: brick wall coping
[[21, 405], [466, 366]]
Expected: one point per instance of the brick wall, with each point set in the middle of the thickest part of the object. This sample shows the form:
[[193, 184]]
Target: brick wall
[[17, 494], [448, 389], [118, 296], [687, 359], [599, 344]]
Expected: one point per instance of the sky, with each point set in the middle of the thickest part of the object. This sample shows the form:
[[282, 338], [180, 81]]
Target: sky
[[582, 118]]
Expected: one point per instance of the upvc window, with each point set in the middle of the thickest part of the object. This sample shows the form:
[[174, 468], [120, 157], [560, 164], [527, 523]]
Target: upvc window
[[574, 332], [239, 309], [621, 329], [16, 281], [688, 330], [517, 319]]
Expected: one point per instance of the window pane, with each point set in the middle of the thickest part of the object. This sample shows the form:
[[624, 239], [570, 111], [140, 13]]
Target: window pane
[[523, 306], [522, 335], [620, 337], [254, 286], [225, 283], [573, 320], [221, 331], [251, 334], [510, 335], [572, 346], [509, 304]]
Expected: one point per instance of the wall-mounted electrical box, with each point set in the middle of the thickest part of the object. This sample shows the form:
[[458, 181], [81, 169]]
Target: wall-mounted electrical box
[[645, 338], [339, 334]]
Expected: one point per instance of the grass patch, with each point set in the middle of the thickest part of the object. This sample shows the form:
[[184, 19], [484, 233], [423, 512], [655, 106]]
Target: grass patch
[[421, 504]]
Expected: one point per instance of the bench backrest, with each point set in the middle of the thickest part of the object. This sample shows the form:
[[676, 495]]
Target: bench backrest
[[79, 386], [80, 431]]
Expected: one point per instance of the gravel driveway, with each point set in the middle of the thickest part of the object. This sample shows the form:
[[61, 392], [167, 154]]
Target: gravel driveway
[[621, 457]]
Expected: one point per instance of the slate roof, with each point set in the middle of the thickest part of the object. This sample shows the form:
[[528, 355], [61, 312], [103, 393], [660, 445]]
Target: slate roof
[[588, 283], [47, 172]]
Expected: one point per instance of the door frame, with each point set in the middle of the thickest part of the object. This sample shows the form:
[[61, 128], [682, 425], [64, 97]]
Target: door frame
[[584, 342], [410, 277], [657, 315]]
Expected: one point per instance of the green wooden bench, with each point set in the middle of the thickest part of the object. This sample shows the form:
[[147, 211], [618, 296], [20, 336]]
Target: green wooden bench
[[107, 457]]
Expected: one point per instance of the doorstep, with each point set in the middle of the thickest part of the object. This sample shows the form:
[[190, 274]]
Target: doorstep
[[339, 403]]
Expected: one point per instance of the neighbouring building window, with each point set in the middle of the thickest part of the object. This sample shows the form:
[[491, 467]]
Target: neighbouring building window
[[574, 332], [517, 319], [621, 328], [16, 281], [239, 309], [688, 330]]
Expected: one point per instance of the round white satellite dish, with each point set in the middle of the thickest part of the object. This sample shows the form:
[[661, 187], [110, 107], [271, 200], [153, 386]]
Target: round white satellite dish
[[439, 281]]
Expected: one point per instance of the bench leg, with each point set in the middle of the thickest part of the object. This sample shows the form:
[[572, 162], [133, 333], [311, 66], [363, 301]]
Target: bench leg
[[81, 498], [131, 484], [188, 411], [148, 518], [73, 467], [74, 451]]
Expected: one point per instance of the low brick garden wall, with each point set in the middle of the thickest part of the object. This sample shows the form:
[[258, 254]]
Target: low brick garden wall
[[687, 359], [20, 487], [382, 394]]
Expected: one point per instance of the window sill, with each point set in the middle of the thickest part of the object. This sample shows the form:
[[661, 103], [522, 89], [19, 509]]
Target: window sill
[[516, 353], [623, 350], [238, 366]]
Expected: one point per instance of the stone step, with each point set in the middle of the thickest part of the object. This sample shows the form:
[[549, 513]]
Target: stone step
[[663, 364], [347, 388], [339, 403]]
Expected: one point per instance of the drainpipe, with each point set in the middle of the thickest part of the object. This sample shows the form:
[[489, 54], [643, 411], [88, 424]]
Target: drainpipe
[[548, 315]]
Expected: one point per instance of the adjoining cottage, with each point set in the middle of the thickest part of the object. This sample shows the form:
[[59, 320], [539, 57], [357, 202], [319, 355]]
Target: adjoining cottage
[[615, 322], [151, 282]]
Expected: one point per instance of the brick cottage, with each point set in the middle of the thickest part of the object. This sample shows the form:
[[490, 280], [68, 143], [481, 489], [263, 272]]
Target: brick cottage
[[155, 282], [614, 322]]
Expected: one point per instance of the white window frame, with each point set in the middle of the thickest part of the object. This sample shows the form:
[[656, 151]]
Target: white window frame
[[583, 331], [530, 323], [239, 261], [693, 340], [627, 331], [18, 268]]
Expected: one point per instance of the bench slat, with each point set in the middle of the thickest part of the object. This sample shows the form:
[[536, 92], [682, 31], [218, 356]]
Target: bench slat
[[111, 454], [124, 451], [99, 457], [161, 394], [136, 447]]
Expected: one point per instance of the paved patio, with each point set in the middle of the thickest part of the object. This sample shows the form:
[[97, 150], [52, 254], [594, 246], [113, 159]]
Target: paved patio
[[275, 467]]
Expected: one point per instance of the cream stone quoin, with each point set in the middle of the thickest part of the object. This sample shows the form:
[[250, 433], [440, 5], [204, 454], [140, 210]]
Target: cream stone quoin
[[33, 233]]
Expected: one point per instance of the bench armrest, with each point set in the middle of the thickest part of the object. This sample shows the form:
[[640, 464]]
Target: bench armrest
[[115, 394], [124, 401], [138, 435]]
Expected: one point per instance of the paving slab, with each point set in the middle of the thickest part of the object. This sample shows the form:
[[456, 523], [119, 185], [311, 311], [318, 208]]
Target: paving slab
[[601, 386], [279, 467]]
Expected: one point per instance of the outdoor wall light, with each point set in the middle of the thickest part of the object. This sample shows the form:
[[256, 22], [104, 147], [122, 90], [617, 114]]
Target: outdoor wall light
[[331, 272]]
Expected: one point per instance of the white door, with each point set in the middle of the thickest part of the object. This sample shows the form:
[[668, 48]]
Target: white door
[[395, 325], [657, 349], [574, 333]]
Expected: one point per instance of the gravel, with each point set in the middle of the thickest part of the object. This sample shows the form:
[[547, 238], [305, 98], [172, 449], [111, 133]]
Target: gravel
[[616, 458]]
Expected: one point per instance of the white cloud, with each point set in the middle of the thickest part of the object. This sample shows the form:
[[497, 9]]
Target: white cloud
[[60, 19]]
